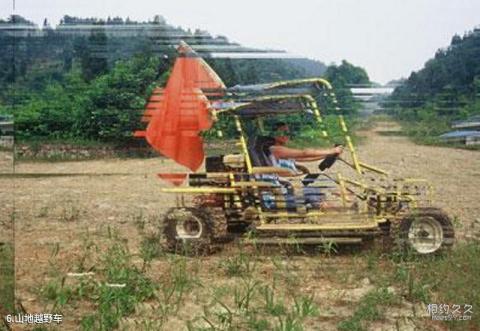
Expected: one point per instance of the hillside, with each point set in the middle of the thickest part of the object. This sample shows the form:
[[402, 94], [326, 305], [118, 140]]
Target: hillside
[[88, 79], [446, 89], [28, 48], [455, 68]]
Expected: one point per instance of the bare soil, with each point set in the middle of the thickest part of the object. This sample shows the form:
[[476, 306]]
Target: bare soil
[[61, 205]]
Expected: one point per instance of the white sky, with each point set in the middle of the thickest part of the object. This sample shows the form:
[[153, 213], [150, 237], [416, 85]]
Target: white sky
[[389, 38]]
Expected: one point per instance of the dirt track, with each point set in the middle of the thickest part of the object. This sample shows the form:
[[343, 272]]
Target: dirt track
[[454, 173], [55, 215]]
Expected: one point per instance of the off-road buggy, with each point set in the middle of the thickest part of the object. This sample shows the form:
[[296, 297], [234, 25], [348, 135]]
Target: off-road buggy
[[242, 196]]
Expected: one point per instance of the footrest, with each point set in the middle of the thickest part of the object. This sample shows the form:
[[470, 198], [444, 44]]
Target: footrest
[[317, 227], [303, 241]]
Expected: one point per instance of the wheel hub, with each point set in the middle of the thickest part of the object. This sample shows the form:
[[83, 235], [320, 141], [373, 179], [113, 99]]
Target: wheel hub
[[425, 235], [189, 228]]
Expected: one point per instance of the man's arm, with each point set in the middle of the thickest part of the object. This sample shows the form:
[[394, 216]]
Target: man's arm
[[309, 159], [307, 154]]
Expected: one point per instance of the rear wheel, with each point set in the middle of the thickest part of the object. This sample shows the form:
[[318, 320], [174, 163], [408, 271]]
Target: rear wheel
[[188, 230], [426, 231]]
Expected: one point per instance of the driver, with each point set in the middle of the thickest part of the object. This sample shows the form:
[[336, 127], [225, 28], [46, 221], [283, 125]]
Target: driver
[[285, 157]]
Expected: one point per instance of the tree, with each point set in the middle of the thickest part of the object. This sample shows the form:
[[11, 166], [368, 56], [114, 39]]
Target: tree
[[114, 102], [341, 77], [346, 74], [93, 54]]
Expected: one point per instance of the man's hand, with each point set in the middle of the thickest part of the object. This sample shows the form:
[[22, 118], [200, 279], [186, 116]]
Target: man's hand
[[337, 150]]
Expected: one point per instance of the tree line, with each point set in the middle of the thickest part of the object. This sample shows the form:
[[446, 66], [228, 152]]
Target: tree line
[[86, 89], [447, 88]]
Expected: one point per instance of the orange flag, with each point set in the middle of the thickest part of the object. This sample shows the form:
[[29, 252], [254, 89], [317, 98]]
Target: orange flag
[[180, 111]]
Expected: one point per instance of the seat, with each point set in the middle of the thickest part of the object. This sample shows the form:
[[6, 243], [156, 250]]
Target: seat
[[259, 150]]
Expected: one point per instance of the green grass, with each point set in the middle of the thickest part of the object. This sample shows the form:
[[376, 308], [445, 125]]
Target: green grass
[[450, 279], [37, 142], [237, 295], [428, 132], [113, 302], [113, 150], [238, 265], [256, 305], [7, 281], [117, 287], [370, 308]]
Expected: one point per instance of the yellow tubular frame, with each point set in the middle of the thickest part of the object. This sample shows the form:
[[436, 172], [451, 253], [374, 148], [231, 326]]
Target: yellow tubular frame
[[341, 120], [243, 144], [237, 188]]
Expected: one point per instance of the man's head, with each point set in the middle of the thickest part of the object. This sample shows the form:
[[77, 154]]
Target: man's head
[[281, 133]]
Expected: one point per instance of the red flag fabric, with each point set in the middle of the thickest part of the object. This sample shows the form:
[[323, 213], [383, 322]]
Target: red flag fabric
[[180, 111], [175, 179]]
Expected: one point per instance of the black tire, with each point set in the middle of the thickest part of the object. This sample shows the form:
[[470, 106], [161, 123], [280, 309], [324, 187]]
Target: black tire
[[190, 231], [425, 231]]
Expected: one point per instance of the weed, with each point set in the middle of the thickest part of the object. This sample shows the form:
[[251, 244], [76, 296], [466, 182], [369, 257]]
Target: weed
[[450, 278], [372, 261], [54, 269], [174, 289], [87, 247], [305, 306], [256, 306], [328, 248], [370, 308], [239, 265], [272, 307], [55, 250], [139, 221], [182, 280], [150, 248], [288, 323], [7, 277], [113, 302], [56, 292], [243, 296], [457, 223], [43, 212], [416, 290], [292, 241], [70, 213]]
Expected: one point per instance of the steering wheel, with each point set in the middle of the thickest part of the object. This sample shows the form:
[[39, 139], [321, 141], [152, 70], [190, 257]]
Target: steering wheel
[[328, 161]]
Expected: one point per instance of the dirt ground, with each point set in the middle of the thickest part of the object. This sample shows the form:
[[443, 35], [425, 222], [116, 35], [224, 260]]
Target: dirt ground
[[58, 206]]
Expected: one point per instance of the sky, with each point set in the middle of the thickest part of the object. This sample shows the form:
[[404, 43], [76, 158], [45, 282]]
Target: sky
[[389, 38]]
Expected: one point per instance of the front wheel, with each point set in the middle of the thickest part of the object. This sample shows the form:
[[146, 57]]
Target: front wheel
[[426, 231]]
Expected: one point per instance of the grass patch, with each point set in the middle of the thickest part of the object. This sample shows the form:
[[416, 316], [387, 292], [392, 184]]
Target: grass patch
[[255, 306], [124, 286], [37, 142], [428, 132], [239, 265], [393, 133], [370, 308], [448, 279], [117, 286], [6, 149], [56, 150], [7, 280], [237, 294]]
